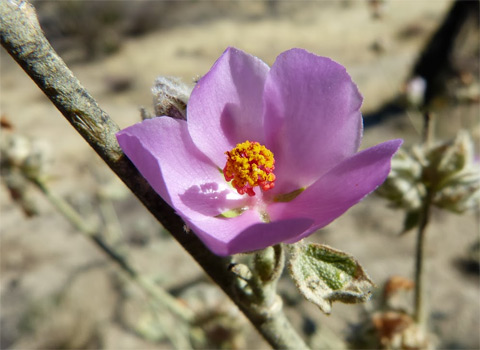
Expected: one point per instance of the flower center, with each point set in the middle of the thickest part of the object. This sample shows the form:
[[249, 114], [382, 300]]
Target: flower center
[[248, 165]]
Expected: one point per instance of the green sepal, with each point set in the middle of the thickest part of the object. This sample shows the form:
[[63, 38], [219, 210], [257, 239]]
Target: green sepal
[[231, 213], [287, 197], [324, 275]]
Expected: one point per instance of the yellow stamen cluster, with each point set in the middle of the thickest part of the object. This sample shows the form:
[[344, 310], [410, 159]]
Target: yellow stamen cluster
[[248, 165]]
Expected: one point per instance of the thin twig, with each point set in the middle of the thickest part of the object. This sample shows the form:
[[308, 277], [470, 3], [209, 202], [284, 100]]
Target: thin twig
[[428, 129], [78, 222], [23, 38], [157, 294]]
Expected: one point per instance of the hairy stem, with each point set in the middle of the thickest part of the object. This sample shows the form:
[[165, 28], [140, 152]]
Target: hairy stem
[[268, 266], [22, 37], [420, 314]]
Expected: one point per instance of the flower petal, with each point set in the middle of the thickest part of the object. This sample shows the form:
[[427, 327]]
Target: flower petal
[[225, 107], [312, 117], [340, 188], [165, 155], [245, 233]]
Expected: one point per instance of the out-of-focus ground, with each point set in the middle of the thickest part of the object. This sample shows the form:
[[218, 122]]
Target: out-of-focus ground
[[59, 291]]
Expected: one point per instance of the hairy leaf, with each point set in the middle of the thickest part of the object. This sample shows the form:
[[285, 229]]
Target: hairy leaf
[[324, 275]]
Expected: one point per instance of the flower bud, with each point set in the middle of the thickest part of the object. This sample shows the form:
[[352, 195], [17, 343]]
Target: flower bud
[[446, 170], [403, 187], [170, 97], [37, 162], [30, 157], [15, 149]]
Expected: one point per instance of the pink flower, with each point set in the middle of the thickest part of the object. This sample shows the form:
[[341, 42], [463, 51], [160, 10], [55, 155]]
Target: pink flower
[[304, 112]]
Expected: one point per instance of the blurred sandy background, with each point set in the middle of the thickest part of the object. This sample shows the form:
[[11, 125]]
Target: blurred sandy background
[[59, 291]]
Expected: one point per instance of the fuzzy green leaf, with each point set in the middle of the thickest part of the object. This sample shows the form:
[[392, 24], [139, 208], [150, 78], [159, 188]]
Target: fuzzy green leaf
[[324, 275]]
